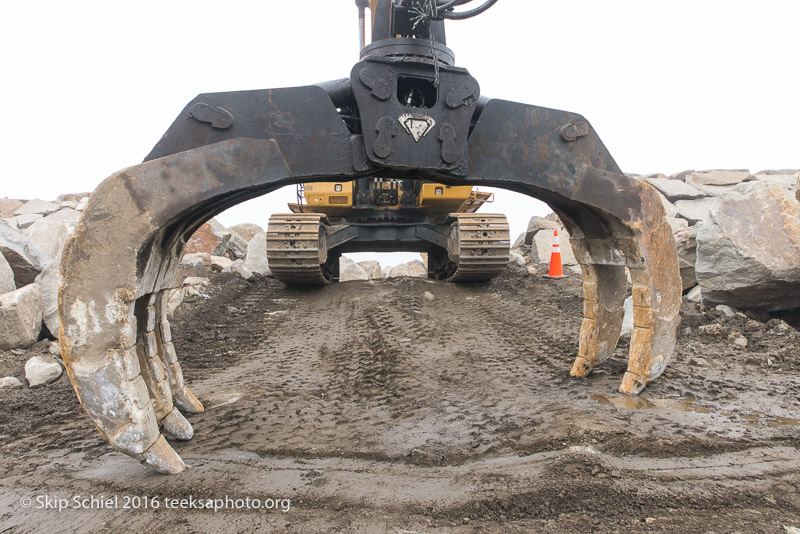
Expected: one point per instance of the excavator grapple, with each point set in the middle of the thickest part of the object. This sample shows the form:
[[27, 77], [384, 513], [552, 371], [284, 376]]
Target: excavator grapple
[[405, 112]]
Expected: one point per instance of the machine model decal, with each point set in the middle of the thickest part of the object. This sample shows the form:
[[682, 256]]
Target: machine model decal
[[417, 125]]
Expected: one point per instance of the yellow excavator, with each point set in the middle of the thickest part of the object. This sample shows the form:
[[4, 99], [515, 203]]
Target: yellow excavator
[[387, 215]]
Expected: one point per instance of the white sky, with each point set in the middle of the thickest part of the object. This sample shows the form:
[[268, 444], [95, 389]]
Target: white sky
[[89, 87]]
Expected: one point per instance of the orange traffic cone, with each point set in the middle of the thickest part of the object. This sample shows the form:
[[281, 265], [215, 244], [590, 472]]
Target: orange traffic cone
[[556, 271]]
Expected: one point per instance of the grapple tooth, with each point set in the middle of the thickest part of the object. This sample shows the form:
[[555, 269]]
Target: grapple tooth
[[163, 458], [175, 425]]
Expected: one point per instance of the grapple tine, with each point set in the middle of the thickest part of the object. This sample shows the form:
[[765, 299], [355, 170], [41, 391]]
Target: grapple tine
[[614, 222]]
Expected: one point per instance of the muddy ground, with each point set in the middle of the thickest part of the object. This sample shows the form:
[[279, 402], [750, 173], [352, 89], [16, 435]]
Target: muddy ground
[[374, 409]]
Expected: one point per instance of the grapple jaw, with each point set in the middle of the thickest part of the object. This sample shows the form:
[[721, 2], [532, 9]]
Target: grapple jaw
[[119, 266]]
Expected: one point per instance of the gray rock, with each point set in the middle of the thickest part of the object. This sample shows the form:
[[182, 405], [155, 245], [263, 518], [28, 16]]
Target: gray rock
[[788, 181], [193, 266], [72, 197], [720, 177], [10, 382], [12, 222], [373, 269], [48, 286], [82, 204], [246, 230], [20, 317], [747, 252], [726, 310], [52, 232], [686, 241], [26, 258], [710, 190], [417, 269], [236, 249], [681, 175], [398, 271], [256, 259], [41, 370], [694, 211], [516, 259], [677, 224], [669, 207], [695, 294], [7, 284], [239, 268], [69, 204], [519, 243], [25, 220], [220, 263], [350, 271], [536, 224], [37, 206], [192, 287], [627, 319], [8, 206], [675, 189]]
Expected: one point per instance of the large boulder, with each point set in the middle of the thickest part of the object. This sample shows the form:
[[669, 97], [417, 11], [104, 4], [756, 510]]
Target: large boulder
[[350, 270], [256, 260], [239, 268], [694, 211], [211, 238], [717, 182], [52, 232], [41, 370], [675, 189], [789, 178], [195, 265], [373, 269], [7, 284], [25, 220], [748, 252], [20, 317], [246, 230], [26, 258], [8, 206], [416, 269], [542, 248], [397, 271], [48, 286], [38, 206], [686, 240]]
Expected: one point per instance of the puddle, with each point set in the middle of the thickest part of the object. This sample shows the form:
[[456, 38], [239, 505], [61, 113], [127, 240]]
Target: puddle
[[682, 404], [689, 404]]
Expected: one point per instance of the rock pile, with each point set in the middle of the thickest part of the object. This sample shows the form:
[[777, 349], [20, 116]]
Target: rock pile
[[738, 235]]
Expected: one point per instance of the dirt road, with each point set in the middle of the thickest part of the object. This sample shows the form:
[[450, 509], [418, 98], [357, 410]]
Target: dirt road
[[374, 408]]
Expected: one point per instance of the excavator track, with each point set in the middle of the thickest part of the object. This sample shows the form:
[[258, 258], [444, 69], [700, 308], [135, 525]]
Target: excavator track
[[481, 243], [296, 249]]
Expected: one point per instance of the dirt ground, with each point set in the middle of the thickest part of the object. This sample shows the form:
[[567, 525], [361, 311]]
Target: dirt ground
[[375, 409]]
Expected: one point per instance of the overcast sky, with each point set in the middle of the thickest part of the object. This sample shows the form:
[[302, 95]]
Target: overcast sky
[[89, 87]]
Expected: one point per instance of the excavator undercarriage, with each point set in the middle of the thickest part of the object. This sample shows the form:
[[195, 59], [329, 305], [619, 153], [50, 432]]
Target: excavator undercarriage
[[404, 112]]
